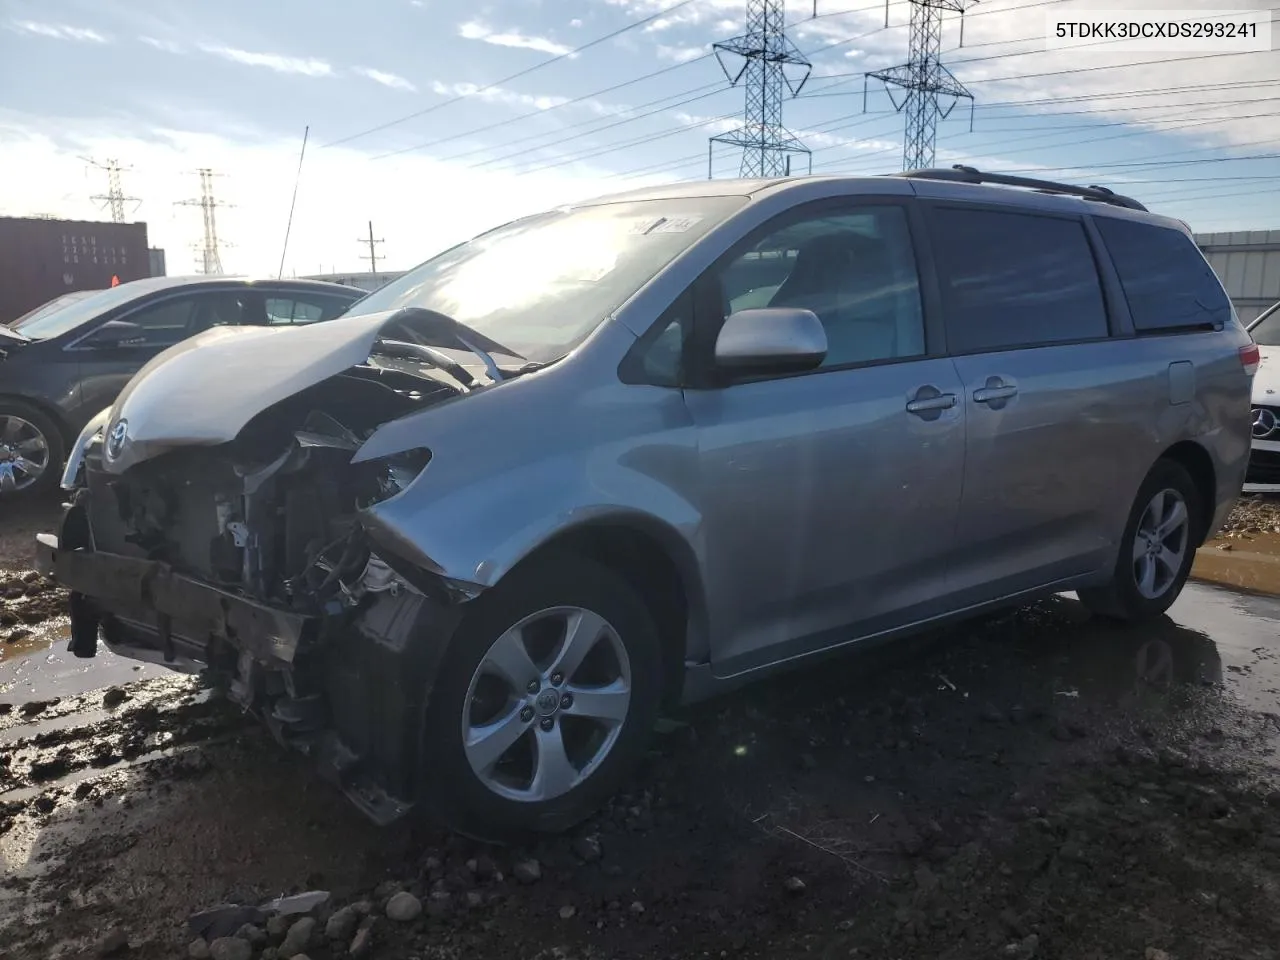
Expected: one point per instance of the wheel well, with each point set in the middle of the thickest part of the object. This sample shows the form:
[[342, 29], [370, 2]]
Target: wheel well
[[644, 562], [1193, 458]]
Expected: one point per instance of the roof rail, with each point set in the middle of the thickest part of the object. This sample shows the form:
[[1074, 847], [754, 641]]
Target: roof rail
[[962, 174]]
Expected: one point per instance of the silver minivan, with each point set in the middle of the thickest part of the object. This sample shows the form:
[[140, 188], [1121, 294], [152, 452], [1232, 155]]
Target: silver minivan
[[463, 544]]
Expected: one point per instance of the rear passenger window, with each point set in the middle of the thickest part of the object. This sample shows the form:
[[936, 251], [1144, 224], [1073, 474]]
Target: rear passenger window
[[1016, 280], [1168, 284]]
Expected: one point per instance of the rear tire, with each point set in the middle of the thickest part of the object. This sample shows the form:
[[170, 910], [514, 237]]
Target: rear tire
[[29, 441], [487, 693], [1156, 550]]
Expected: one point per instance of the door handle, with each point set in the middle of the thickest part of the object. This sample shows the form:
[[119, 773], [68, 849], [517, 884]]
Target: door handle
[[929, 402], [994, 391]]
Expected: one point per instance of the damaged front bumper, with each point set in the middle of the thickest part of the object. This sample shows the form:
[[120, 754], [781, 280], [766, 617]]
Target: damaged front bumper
[[347, 690], [154, 595]]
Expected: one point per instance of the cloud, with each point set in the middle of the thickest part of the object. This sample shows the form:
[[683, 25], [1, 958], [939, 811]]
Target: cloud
[[497, 95], [59, 31], [416, 3], [168, 46], [386, 79], [307, 67], [679, 54], [475, 30], [575, 23]]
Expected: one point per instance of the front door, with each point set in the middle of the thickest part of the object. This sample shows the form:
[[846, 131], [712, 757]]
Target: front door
[[829, 498]]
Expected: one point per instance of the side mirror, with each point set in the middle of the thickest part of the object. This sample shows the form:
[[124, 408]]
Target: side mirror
[[771, 340], [114, 333]]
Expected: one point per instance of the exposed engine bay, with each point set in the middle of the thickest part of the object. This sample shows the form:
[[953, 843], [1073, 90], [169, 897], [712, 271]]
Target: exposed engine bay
[[274, 513]]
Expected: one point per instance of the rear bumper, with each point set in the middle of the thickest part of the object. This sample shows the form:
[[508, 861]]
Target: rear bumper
[[171, 604], [1263, 475]]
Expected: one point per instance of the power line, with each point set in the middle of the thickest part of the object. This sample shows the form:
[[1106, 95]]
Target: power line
[[515, 76], [210, 253]]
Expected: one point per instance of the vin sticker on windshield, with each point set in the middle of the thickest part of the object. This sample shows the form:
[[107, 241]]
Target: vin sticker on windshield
[[665, 225]]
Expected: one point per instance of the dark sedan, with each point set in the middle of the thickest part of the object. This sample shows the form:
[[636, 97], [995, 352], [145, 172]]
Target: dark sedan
[[58, 368]]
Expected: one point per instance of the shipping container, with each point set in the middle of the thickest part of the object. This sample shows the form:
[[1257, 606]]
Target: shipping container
[[41, 259]]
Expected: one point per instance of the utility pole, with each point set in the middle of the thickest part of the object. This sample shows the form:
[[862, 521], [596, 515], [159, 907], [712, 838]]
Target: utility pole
[[210, 256], [766, 54], [373, 256], [925, 79], [114, 199]]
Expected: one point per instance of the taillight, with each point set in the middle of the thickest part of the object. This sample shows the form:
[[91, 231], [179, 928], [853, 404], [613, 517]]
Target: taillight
[[1249, 358]]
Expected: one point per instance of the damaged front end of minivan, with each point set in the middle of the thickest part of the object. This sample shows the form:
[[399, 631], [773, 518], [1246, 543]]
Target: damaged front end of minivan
[[247, 544]]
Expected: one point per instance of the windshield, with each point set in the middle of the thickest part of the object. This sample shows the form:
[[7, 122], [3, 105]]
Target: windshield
[[1267, 333], [52, 305], [539, 286], [45, 325]]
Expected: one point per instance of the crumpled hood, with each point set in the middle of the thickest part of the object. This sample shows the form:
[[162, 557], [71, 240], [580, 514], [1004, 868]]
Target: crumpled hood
[[1266, 382], [204, 390]]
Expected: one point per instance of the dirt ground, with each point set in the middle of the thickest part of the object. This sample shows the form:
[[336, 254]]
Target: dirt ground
[[1037, 785]]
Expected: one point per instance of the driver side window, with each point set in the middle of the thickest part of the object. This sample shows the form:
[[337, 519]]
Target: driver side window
[[856, 270]]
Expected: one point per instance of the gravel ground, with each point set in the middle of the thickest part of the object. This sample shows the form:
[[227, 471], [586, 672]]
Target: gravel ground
[[1038, 785]]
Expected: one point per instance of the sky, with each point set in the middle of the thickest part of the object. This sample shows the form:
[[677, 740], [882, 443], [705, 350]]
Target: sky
[[417, 121]]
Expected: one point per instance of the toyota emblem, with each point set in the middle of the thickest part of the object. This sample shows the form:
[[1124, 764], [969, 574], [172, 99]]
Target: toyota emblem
[[1264, 423], [116, 438]]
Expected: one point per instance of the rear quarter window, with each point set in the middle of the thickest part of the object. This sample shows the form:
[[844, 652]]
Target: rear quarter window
[[1169, 286]]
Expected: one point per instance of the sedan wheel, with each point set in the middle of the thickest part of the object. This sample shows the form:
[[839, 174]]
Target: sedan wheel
[[30, 450]]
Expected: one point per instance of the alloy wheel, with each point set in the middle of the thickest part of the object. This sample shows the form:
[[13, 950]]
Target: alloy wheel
[[546, 704], [1160, 543], [24, 454]]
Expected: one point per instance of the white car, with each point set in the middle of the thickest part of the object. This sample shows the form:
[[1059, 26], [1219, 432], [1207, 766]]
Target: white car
[[1264, 464]]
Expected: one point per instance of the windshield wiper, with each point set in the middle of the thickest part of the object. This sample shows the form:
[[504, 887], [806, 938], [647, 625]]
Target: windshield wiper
[[454, 332]]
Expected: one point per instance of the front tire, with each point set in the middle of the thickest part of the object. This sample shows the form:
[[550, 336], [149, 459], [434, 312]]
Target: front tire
[[1156, 550], [544, 702], [31, 451]]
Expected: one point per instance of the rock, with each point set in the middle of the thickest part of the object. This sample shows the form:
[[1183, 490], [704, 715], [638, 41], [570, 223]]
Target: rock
[[297, 904], [991, 715], [1154, 953], [270, 953], [485, 868], [793, 885], [222, 921], [342, 925], [278, 926], [567, 912], [527, 871], [362, 907], [361, 943], [474, 899], [588, 849], [299, 937], [637, 907], [32, 707], [114, 697], [404, 907], [198, 949], [114, 943], [231, 948], [255, 935]]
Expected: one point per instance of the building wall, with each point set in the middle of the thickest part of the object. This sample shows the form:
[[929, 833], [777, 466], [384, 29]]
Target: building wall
[[1248, 264]]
